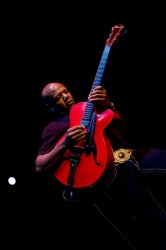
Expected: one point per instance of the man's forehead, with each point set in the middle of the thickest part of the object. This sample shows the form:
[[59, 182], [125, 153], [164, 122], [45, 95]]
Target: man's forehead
[[55, 87]]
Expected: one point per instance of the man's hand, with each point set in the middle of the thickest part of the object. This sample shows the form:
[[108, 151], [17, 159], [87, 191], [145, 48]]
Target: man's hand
[[74, 135], [99, 97]]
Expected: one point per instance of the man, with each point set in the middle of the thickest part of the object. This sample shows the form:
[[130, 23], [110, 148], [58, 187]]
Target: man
[[60, 101], [120, 184]]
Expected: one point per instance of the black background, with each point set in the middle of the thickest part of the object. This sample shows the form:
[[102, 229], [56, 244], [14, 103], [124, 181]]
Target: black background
[[42, 43], [45, 43]]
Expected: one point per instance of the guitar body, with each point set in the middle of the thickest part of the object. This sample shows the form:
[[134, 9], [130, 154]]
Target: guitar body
[[88, 171]]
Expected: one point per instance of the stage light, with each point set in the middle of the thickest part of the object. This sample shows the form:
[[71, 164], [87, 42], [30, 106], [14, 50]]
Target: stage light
[[11, 180]]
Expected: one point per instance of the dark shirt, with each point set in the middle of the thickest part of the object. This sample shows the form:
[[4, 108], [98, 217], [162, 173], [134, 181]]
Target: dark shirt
[[52, 132]]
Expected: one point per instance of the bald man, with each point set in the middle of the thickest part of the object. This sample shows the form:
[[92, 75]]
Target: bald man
[[59, 101]]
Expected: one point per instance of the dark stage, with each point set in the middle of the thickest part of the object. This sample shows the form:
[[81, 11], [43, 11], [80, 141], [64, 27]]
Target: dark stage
[[47, 44]]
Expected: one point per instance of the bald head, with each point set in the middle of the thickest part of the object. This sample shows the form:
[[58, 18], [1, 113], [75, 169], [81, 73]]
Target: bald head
[[57, 97], [50, 89]]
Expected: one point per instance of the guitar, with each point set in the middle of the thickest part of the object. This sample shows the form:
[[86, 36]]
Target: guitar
[[84, 163]]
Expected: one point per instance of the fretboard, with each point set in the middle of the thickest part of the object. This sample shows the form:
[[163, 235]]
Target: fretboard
[[97, 81]]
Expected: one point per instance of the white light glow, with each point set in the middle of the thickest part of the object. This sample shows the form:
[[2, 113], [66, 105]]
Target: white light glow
[[11, 180]]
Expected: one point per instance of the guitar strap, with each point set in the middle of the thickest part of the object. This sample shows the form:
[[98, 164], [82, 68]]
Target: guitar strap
[[70, 194], [74, 160]]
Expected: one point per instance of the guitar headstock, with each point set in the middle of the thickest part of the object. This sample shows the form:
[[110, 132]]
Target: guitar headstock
[[116, 31]]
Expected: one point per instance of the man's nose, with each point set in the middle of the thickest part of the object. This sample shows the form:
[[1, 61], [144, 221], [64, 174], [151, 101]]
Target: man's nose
[[65, 96]]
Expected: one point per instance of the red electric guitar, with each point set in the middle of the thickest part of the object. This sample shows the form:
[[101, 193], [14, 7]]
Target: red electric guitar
[[84, 164]]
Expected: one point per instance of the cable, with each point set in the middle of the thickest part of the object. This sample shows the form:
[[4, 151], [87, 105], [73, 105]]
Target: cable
[[116, 229]]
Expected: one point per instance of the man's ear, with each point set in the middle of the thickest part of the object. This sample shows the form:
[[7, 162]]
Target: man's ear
[[50, 108]]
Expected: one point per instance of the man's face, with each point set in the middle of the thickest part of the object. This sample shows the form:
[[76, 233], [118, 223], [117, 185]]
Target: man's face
[[60, 97]]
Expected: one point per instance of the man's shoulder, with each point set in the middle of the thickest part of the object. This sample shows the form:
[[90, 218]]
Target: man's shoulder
[[57, 123]]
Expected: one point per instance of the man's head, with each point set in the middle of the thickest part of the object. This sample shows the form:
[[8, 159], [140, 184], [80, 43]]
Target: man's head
[[57, 97]]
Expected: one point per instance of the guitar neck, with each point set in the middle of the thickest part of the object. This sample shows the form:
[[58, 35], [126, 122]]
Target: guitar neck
[[101, 67], [97, 81]]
